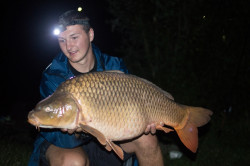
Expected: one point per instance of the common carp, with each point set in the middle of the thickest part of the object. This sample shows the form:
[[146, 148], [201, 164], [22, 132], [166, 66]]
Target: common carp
[[113, 106]]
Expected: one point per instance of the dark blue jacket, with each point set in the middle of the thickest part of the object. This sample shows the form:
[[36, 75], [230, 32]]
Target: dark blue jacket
[[56, 73]]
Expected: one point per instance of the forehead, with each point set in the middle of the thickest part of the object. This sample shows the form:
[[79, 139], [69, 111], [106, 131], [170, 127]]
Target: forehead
[[70, 30]]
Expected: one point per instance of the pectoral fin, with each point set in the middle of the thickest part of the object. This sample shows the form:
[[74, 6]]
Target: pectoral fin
[[109, 145], [100, 137]]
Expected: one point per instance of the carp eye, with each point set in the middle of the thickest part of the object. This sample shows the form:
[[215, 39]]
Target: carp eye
[[47, 109]]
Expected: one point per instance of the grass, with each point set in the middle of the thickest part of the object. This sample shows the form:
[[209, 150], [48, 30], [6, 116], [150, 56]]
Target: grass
[[16, 145], [14, 153], [224, 141]]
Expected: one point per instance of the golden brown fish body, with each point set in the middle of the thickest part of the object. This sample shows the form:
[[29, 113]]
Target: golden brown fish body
[[115, 106]]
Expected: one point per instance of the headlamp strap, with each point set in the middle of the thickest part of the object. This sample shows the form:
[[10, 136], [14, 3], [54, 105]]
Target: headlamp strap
[[79, 21]]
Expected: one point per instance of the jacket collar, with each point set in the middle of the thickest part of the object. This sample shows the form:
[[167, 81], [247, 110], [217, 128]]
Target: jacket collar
[[60, 63]]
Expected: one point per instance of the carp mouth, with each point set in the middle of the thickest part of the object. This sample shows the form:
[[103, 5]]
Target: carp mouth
[[33, 120]]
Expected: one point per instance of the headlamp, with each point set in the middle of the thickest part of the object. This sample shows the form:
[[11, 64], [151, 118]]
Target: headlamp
[[60, 28], [71, 17]]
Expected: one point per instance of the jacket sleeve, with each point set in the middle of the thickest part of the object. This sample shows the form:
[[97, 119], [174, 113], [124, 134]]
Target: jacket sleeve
[[123, 66], [47, 87], [114, 63]]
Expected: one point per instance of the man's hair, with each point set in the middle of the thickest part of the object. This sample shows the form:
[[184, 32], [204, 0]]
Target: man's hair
[[73, 17]]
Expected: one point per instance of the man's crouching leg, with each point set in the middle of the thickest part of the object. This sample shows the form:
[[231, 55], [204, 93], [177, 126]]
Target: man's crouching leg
[[57, 156], [147, 150]]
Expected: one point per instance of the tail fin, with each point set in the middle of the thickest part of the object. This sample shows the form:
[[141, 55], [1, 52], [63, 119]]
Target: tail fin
[[188, 133]]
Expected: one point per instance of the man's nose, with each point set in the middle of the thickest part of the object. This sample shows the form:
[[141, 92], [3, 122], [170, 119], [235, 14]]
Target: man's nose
[[69, 45]]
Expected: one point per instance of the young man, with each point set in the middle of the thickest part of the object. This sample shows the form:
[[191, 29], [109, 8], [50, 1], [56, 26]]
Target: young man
[[79, 56]]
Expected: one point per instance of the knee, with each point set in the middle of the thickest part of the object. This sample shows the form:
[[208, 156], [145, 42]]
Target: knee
[[146, 142], [148, 150], [66, 157], [74, 159]]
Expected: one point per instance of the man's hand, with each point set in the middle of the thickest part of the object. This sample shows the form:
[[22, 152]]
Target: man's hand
[[151, 128], [71, 131]]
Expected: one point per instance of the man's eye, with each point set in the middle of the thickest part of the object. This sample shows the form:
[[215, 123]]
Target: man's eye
[[61, 41], [75, 37]]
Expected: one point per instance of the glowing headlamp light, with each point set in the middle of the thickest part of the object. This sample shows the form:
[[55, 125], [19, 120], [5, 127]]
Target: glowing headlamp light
[[58, 29]]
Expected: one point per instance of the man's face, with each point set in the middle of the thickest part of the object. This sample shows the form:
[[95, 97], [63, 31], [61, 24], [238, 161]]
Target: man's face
[[75, 42]]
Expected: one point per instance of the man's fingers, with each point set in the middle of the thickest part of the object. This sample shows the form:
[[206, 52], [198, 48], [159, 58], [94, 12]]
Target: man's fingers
[[71, 131], [79, 129], [147, 129], [153, 128], [64, 130]]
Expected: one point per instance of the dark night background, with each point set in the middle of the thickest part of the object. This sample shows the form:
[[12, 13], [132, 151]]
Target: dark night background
[[196, 50], [29, 46]]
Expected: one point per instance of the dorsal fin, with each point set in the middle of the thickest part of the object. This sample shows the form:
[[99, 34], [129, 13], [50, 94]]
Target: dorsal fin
[[168, 95], [114, 71]]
